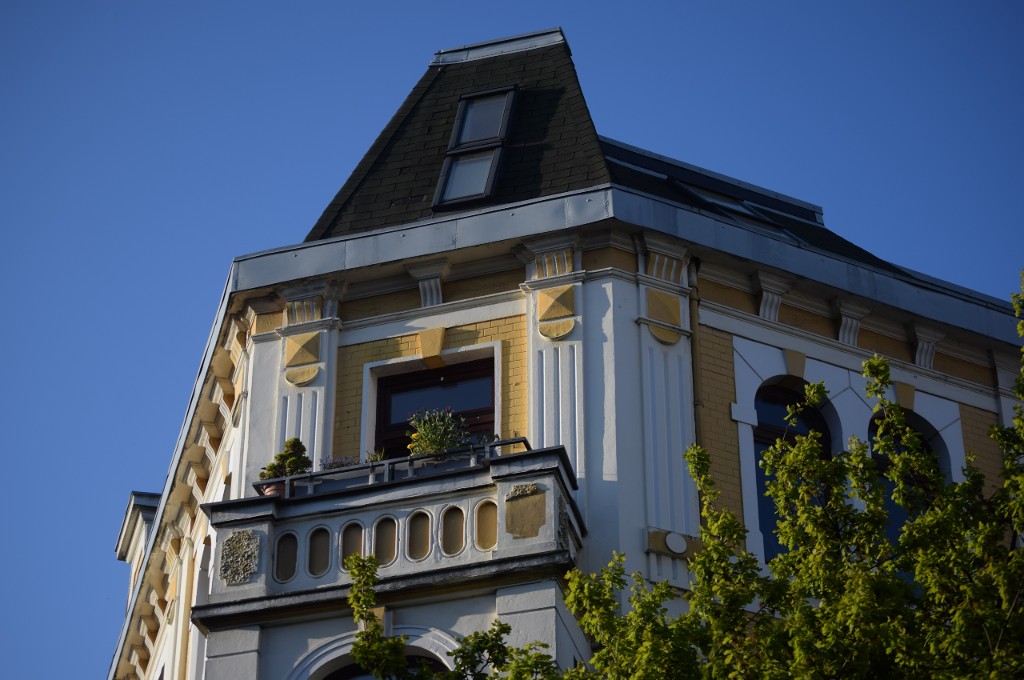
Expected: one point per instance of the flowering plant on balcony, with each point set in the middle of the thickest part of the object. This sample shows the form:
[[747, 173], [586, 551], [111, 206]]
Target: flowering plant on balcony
[[436, 431]]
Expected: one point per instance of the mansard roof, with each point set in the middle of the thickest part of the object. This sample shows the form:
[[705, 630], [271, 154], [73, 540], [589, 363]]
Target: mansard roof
[[552, 146], [553, 153]]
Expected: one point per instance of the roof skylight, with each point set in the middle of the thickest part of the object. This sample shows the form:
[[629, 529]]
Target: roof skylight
[[474, 152]]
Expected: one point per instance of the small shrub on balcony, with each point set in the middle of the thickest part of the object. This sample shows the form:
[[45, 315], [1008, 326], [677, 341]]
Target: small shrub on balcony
[[436, 431], [291, 461]]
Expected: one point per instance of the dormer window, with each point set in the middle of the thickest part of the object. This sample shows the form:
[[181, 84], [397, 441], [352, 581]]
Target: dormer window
[[474, 152]]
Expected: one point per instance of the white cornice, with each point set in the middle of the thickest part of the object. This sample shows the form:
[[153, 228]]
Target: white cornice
[[498, 305], [543, 218]]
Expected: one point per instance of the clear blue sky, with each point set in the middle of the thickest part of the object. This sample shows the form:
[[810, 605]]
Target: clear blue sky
[[143, 145]]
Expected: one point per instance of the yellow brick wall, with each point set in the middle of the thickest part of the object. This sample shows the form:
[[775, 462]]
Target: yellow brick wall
[[976, 424], [389, 303], [967, 370], [730, 297], [718, 393], [464, 289], [603, 258], [510, 331], [885, 345], [807, 321]]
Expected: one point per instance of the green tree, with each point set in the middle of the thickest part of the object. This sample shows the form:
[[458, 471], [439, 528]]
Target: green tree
[[842, 600]]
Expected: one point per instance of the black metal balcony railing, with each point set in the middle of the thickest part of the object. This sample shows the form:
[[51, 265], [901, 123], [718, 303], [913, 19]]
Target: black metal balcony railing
[[395, 469]]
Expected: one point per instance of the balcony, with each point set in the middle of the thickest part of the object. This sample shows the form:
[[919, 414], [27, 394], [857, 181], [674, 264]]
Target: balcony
[[467, 516]]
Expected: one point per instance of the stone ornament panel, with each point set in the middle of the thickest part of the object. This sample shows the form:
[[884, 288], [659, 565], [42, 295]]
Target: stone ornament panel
[[239, 557]]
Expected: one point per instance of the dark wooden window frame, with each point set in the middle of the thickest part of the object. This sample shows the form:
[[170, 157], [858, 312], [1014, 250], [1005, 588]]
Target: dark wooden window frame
[[391, 436]]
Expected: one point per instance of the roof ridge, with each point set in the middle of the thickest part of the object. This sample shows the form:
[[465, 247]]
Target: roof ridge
[[491, 48]]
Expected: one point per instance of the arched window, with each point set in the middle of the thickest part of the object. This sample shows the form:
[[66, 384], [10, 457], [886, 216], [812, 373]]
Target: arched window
[[486, 525], [319, 552], [453, 530], [351, 540], [934, 448], [771, 403], [286, 556], [418, 538], [385, 541], [416, 660]]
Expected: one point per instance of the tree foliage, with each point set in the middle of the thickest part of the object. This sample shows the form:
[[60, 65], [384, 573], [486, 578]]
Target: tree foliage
[[842, 600]]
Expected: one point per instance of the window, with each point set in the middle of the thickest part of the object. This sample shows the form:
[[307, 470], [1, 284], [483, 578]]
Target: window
[[474, 152], [932, 444], [351, 540], [418, 539], [486, 525], [286, 557], [467, 388], [771, 403], [385, 541], [453, 531], [319, 552]]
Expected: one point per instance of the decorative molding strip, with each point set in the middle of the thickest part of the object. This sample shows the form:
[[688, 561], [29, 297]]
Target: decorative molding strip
[[554, 281], [553, 256], [304, 310], [459, 312], [520, 490], [665, 258]]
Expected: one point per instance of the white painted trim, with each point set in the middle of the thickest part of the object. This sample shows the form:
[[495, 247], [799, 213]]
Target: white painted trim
[[444, 315], [432, 640], [847, 413], [814, 346]]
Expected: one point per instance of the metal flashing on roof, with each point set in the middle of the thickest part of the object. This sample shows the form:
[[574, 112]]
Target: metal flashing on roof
[[709, 173], [492, 48], [637, 168]]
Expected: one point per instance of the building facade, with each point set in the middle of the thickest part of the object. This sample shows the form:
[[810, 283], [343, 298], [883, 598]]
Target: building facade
[[592, 307]]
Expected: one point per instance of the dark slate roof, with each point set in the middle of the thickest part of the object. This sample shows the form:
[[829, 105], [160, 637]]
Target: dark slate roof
[[552, 146], [730, 199], [552, 149]]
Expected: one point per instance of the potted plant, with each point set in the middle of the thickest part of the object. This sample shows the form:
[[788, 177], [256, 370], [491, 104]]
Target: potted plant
[[336, 462], [291, 461], [436, 431]]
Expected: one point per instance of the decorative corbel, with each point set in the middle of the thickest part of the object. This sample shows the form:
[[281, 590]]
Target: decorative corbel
[[925, 338], [771, 289], [850, 315], [430, 275]]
